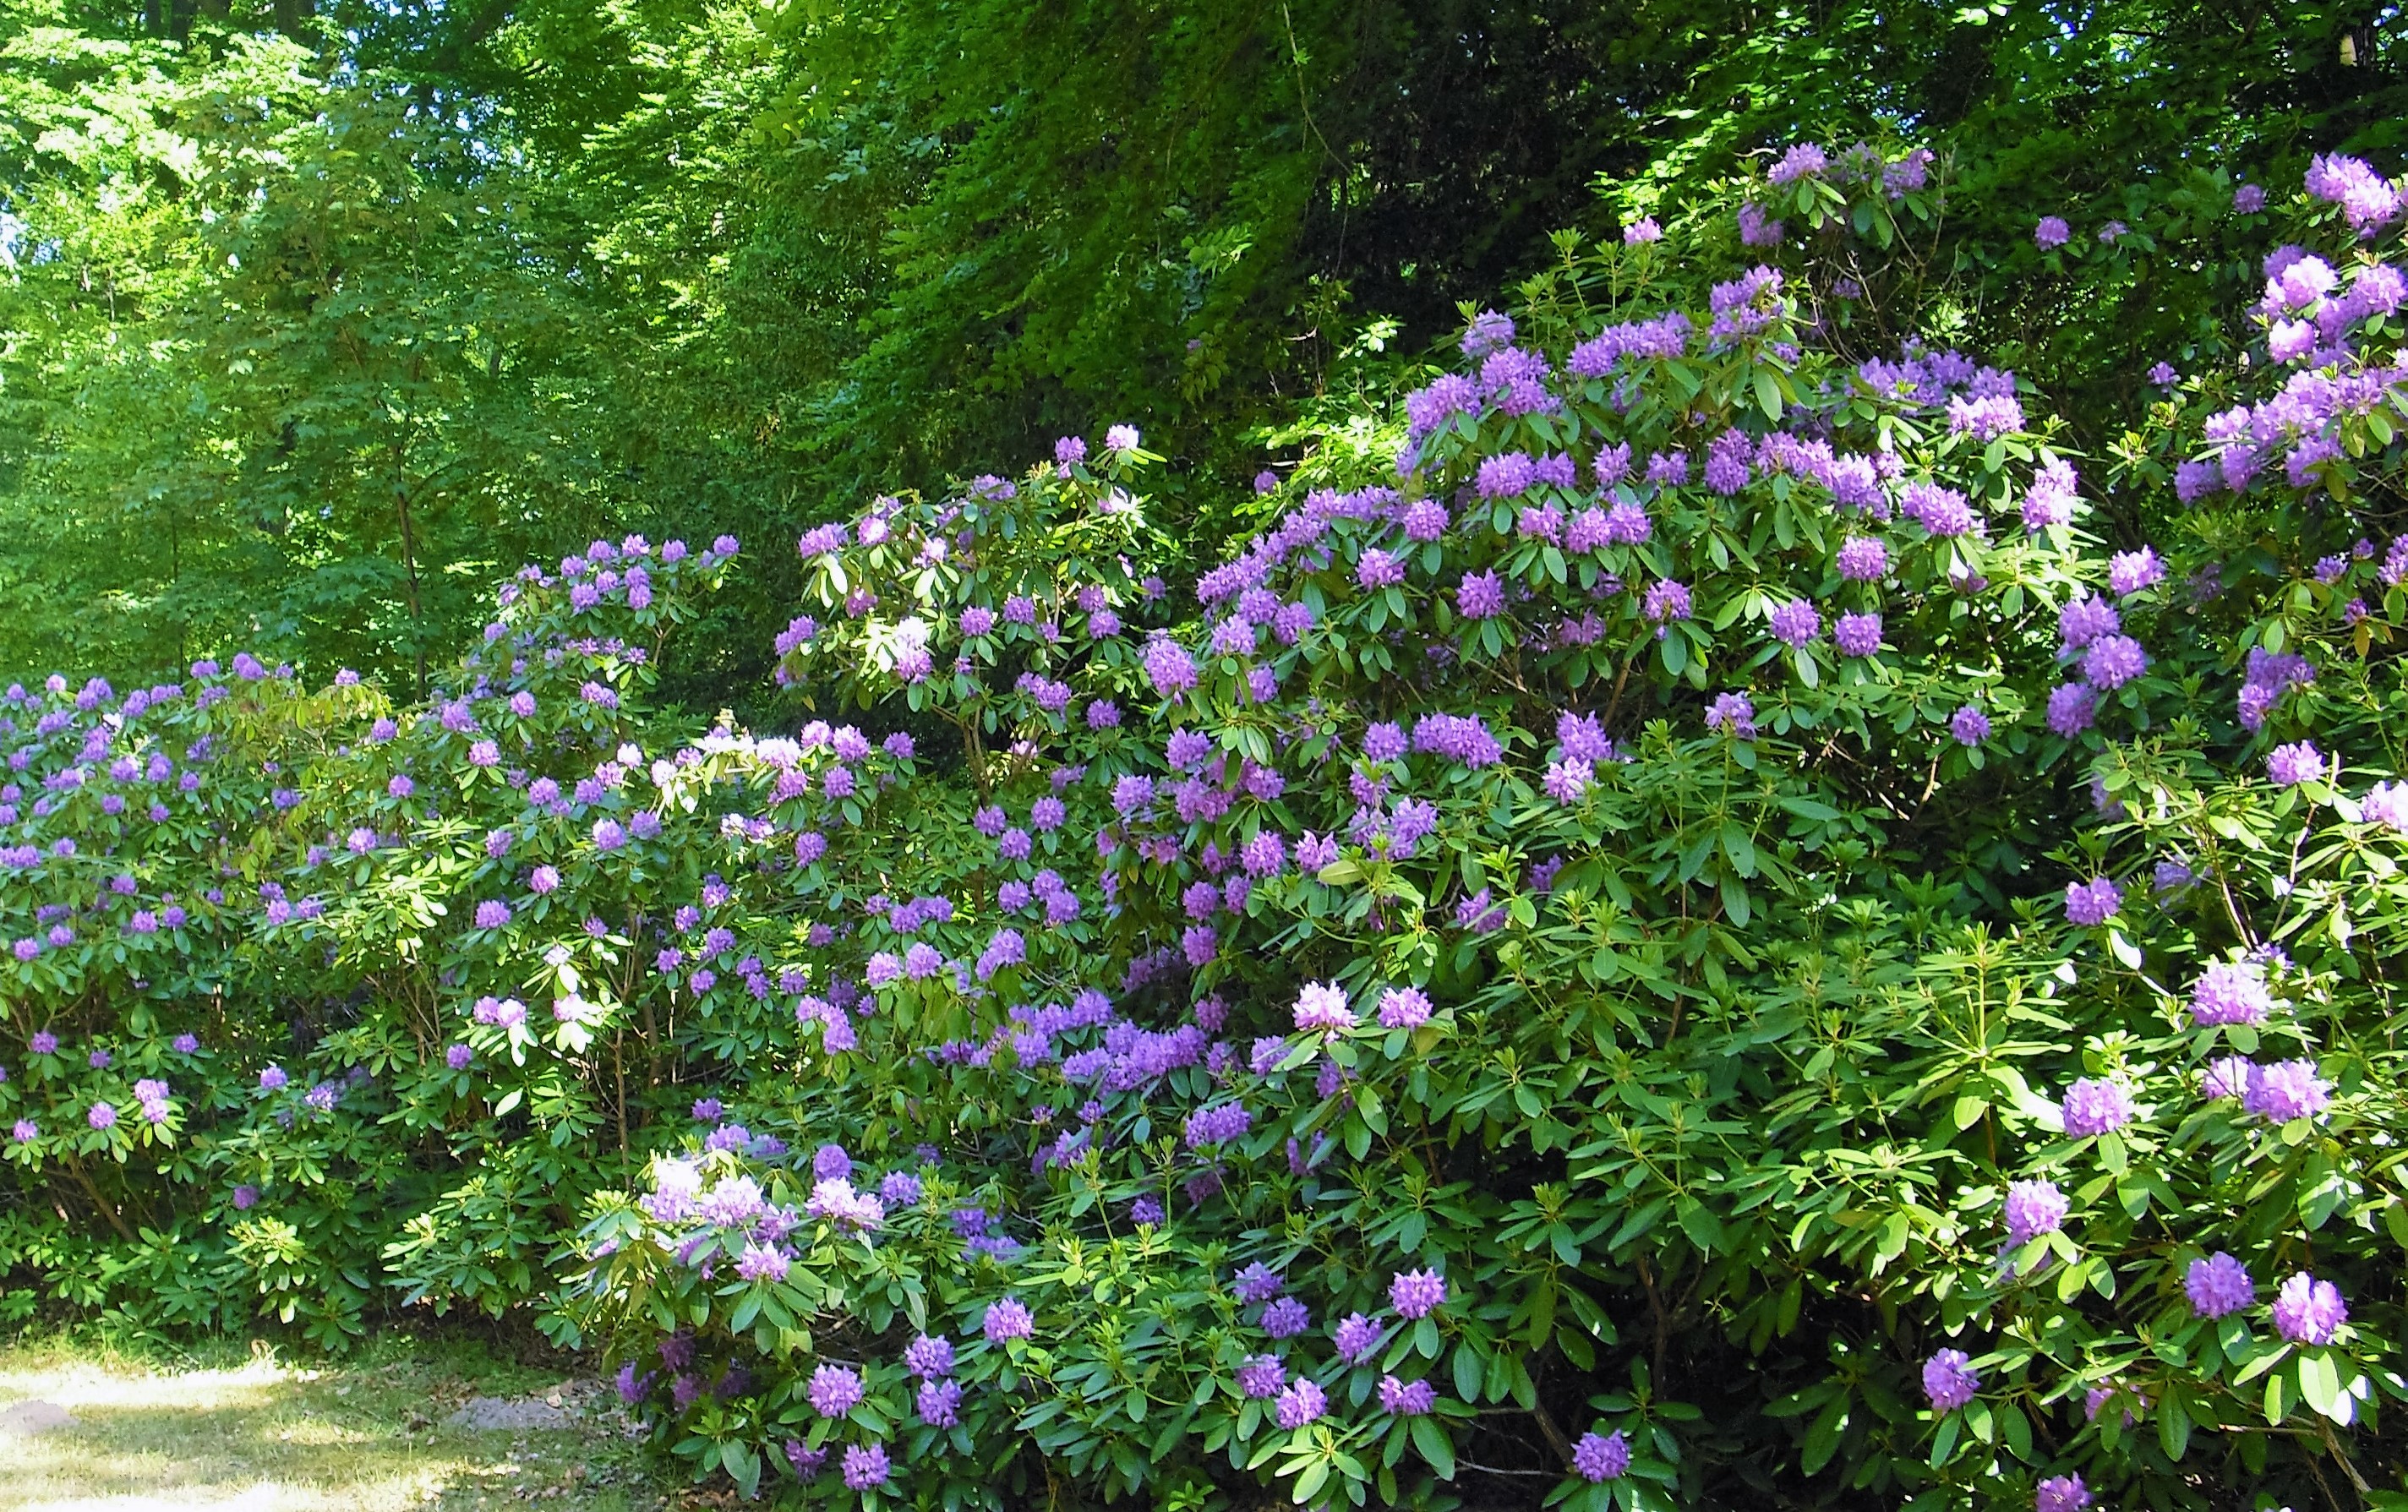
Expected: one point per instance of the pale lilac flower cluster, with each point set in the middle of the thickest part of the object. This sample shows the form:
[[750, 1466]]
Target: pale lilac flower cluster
[[1321, 1007], [2096, 1105], [2386, 803], [2231, 993], [2291, 765], [2309, 1311], [2285, 1090], [2368, 199]]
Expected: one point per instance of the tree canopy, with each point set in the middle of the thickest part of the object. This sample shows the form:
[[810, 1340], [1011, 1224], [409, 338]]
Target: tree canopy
[[317, 315]]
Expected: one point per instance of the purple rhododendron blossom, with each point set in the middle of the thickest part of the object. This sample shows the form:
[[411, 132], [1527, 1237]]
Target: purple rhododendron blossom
[[835, 1390], [2285, 1090], [2091, 903], [1321, 1007], [1600, 1457], [1416, 1294], [2034, 1208], [2292, 765], [2231, 993], [1355, 1338], [1949, 1380], [2062, 1494], [2218, 1285], [2096, 1105], [1006, 1319], [2309, 1311], [867, 1467]]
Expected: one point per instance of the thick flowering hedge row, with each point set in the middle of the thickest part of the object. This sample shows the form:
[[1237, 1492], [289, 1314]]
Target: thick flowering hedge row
[[1697, 924]]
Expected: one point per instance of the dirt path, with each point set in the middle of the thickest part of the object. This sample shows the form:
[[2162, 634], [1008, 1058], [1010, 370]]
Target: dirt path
[[408, 1425]]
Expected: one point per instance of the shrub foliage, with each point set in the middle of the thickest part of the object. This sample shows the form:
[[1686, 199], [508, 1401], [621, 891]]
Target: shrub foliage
[[1673, 928]]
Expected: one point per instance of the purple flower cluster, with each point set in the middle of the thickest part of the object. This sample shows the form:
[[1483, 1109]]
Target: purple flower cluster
[[2034, 1208], [2368, 199], [866, 1466], [2309, 1311], [1005, 1319], [1217, 1124], [2218, 1285], [1599, 1458], [2285, 1090], [1416, 1294], [2231, 993], [835, 1390], [1300, 1402], [2291, 765], [1262, 1377], [2096, 1105], [1321, 1007], [1462, 738], [2062, 1494], [2088, 904], [1949, 1380]]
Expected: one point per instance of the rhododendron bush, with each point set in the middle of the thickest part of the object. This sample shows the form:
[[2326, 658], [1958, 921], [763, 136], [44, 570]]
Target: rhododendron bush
[[1701, 920]]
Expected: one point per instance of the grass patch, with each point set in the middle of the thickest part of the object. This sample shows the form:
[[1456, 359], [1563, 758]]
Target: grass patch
[[234, 1428]]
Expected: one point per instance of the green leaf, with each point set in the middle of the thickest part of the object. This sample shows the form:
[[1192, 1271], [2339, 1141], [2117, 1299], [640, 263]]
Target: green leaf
[[2173, 1428], [1823, 1439], [2320, 1386], [2015, 1431], [743, 1467], [1436, 1450], [1469, 1368]]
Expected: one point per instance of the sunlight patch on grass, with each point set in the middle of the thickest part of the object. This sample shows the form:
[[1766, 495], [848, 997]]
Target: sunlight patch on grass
[[254, 1434]]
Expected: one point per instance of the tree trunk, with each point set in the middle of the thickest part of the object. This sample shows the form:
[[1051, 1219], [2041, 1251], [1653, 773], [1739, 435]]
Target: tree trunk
[[409, 567]]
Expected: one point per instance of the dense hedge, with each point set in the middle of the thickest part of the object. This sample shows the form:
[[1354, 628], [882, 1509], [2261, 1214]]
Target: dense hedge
[[1681, 926]]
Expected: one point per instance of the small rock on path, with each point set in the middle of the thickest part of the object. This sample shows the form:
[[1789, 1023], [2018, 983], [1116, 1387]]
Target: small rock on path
[[512, 1413], [22, 1420]]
